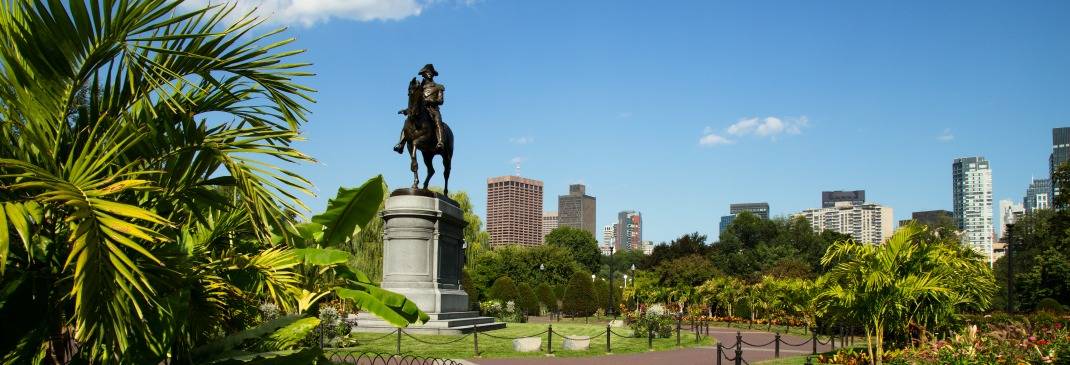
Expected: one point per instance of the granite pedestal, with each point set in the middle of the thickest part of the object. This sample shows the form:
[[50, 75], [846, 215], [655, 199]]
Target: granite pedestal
[[423, 253]]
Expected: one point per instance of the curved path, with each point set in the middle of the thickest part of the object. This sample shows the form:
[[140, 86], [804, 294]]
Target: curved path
[[696, 355]]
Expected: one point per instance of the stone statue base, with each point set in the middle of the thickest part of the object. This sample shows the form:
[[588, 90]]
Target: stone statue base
[[423, 253]]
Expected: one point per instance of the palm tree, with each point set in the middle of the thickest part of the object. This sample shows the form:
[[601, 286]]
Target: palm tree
[[144, 210], [907, 278]]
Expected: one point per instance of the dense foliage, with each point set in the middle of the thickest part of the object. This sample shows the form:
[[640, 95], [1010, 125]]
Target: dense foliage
[[503, 290], [540, 264], [528, 301], [580, 244], [145, 215], [579, 299]]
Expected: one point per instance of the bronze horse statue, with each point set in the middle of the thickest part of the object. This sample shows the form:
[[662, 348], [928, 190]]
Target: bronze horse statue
[[419, 134]]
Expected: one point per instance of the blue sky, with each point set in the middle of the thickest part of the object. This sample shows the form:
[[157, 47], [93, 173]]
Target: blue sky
[[678, 109]]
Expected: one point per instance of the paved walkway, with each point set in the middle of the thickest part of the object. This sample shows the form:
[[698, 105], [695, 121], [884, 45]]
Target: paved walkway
[[757, 346]]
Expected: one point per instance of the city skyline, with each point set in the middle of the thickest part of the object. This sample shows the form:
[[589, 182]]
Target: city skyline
[[608, 97]]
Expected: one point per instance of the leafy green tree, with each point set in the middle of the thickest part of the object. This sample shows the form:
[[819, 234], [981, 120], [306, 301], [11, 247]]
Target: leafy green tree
[[579, 295], [529, 302], [906, 281], [580, 243], [686, 271], [1040, 247], [475, 237], [470, 289], [559, 291], [539, 264], [145, 212], [687, 245], [546, 296], [601, 295], [504, 290]]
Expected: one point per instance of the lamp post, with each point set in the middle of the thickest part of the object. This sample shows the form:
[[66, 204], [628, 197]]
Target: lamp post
[[635, 293], [609, 301]]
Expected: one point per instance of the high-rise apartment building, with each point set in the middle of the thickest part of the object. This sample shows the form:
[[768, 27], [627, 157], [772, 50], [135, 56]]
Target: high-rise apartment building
[[866, 223], [549, 224], [514, 211], [1037, 195], [759, 209], [1060, 153], [1009, 212], [577, 209], [972, 199], [628, 231], [830, 198], [609, 235], [648, 247]]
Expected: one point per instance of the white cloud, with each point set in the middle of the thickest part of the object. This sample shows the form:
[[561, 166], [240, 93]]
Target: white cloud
[[768, 126], [624, 115], [311, 12], [946, 136], [522, 140], [712, 139], [516, 160]]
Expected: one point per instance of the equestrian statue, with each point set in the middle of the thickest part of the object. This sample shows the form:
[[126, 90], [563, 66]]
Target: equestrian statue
[[424, 129]]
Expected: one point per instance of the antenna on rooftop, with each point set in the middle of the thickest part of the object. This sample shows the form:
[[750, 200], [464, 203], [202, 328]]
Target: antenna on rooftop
[[517, 164]]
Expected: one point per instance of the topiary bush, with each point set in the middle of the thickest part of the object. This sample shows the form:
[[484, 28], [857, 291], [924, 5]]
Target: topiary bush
[[503, 290], [1049, 305], [528, 302], [546, 296], [470, 289], [579, 295]]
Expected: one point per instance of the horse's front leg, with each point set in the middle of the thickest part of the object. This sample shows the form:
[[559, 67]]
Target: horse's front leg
[[414, 166]]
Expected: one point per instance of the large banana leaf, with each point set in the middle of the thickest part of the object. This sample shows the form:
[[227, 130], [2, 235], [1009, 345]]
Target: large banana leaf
[[231, 342], [390, 306], [321, 256], [350, 209]]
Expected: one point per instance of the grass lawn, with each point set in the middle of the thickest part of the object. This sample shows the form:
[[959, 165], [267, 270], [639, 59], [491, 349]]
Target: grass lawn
[[490, 347]]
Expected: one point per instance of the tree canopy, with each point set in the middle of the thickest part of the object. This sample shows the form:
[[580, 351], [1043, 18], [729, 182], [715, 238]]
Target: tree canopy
[[580, 243]]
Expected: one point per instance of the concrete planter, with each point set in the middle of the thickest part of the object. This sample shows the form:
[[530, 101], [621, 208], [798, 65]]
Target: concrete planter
[[616, 323], [527, 344], [577, 343]]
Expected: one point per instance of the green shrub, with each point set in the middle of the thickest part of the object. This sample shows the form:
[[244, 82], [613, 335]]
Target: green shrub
[[601, 295], [503, 290], [1049, 305], [546, 296], [529, 303], [505, 312], [559, 291], [656, 319], [470, 289], [579, 295]]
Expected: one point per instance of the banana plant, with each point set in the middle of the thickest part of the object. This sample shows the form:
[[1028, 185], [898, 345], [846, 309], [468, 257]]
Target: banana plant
[[325, 266]]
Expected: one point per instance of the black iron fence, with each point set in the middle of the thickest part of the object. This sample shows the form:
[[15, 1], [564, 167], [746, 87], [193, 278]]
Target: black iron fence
[[733, 353], [371, 358]]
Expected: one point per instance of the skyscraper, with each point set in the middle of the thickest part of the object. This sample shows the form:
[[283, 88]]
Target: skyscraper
[[514, 211], [726, 220], [1060, 153], [759, 209], [609, 238], [830, 198], [628, 231], [972, 199], [577, 209], [549, 223], [1037, 195], [866, 223]]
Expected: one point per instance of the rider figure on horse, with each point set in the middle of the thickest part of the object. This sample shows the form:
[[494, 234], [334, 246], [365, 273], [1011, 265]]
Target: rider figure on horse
[[432, 98]]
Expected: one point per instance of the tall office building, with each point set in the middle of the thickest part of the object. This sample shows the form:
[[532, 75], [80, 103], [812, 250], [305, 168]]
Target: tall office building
[[1009, 212], [577, 209], [1037, 195], [830, 198], [972, 199], [628, 231], [647, 247], [1060, 153], [726, 220], [549, 224], [866, 223], [514, 211], [759, 209]]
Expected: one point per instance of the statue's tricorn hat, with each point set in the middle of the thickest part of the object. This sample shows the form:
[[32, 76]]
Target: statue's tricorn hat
[[430, 69]]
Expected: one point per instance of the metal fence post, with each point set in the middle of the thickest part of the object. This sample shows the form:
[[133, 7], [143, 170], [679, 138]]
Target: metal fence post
[[776, 348], [808, 361], [678, 319], [832, 341], [813, 340], [719, 353], [398, 343], [609, 339], [739, 351], [550, 339], [475, 338]]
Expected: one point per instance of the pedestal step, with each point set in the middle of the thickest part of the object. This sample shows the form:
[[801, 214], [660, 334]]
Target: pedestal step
[[455, 324]]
